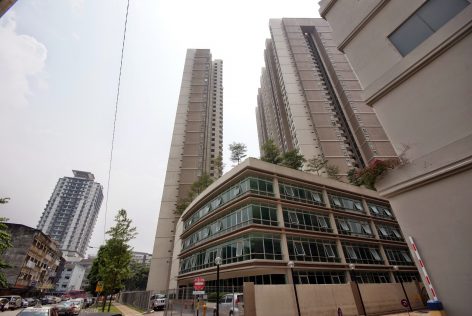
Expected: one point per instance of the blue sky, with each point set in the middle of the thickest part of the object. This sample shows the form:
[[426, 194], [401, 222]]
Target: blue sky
[[59, 63]]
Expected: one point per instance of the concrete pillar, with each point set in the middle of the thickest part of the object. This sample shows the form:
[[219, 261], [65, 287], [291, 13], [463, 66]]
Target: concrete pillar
[[249, 291]]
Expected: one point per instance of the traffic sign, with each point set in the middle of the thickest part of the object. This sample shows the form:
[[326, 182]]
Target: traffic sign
[[404, 303], [198, 292], [99, 287], [199, 284]]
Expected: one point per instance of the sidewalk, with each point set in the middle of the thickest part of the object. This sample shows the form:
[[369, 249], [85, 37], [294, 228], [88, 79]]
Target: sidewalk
[[128, 311]]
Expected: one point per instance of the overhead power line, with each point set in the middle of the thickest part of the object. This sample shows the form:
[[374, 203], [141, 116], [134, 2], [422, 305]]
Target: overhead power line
[[114, 120]]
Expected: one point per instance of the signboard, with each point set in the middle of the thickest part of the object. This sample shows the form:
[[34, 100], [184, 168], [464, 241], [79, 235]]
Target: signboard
[[99, 287], [404, 302], [199, 284], [198, 292]]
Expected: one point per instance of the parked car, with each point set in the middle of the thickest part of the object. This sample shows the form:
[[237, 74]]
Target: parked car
[[39, 311], [31, 301], [231, 305], [89, 301], [158, 301], [68, 308], [78, 305], [4, 304], [14, 301]]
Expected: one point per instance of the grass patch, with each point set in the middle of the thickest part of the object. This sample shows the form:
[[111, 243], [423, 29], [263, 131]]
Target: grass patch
[[113, 309], [136, 308]]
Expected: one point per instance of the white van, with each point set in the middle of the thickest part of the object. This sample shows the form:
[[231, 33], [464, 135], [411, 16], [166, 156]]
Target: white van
[[14, 301]]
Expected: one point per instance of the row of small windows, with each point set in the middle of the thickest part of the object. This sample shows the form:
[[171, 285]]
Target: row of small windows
[[361, 253], [315, 277], [380, 211], [353, 227], [308, 249], [258, 186], [339, 202], [248, 247], [293, 193], [299, 219], [244, 216]]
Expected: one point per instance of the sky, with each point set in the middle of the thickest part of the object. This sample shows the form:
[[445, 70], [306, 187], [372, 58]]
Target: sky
[[59, 65]]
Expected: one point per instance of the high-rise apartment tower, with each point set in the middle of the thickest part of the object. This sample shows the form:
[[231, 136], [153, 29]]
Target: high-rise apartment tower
[[310, 99], [72, 211], [197, 143]]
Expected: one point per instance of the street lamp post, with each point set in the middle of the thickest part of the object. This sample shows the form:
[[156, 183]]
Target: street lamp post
[[291, 264], [352, 266], [395, 268], [218, 262]]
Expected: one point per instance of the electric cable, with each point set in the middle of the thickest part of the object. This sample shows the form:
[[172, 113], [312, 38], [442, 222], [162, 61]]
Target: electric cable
[[114, 121]]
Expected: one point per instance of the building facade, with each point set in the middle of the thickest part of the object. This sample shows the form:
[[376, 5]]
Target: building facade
[[34, 259], [196, 146], [71, 213], [260, 216], [413, 60], [310, 99], [143, 258], [72, 277]]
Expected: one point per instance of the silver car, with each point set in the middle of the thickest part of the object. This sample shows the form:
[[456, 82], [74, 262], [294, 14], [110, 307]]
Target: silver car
[[232, 305]]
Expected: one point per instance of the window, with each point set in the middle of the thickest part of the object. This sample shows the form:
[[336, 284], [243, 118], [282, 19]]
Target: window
[[312, 250], [299, 249], [375, 254], [398, 256], [362, 253], [329, 251], [294, 193], [322, 222], [306, 220], [351, 253], [353, 226], [429, 18], [293, 218], [341, 202]]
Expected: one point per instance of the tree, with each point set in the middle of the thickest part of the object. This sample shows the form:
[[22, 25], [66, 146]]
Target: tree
[[5, 243], [219, 165], [293, 159], [197, 187], [114, 269], [271, 152], [368, 176], [200, 185], [238, 151], [94, 274], [138, 279], [316, 164], [333, 172]]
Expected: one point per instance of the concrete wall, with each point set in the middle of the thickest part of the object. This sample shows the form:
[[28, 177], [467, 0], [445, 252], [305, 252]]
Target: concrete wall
[[325, 299], [386, 297], [438, 217]]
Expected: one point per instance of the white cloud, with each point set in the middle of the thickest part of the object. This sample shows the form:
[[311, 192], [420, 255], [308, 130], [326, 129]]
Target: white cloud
[[22, 62]]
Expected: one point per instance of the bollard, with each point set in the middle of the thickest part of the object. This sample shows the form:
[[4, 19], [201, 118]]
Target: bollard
[[204, 309]]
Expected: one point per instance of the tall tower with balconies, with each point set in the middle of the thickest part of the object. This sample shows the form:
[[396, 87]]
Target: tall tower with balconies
[[72, 211], [197, 144]]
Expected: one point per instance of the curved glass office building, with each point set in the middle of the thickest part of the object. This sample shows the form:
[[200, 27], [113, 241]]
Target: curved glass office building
[[259, 216]]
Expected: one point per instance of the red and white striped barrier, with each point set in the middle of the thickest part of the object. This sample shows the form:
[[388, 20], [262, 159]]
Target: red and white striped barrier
[[425, 273]]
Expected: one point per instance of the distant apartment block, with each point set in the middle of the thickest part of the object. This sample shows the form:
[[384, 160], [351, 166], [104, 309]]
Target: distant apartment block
[[259, 216], [413, 59], [71, 213], [143, 258], [310, 99], [34, 259], [197, 142], [72, 277]]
